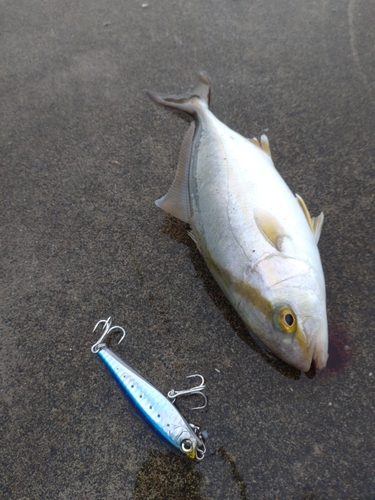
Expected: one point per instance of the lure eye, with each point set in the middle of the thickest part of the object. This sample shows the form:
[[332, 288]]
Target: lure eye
[[285, 320], [186, 446]]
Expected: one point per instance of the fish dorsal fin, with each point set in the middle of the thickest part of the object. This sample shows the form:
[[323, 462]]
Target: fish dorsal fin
[[264, 145], [255, 141], [270, 227], [317, 226], [315, 223], [176, 201]]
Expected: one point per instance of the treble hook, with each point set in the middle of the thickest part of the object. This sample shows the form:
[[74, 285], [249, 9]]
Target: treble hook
[[107, 329], [173, 395]]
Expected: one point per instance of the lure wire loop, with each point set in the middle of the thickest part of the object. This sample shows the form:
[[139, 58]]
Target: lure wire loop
[[107, 330], [173, 394]]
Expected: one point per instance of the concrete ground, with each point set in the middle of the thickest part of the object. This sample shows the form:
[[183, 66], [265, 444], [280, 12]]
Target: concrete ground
[[84, 154]]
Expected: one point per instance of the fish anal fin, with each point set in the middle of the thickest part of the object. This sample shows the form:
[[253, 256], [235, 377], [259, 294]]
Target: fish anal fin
[[270, 227], [315, 223], [193, 237], [176, 201]]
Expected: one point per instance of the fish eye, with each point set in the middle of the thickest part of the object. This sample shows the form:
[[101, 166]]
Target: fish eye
[[186, 445], [289, 319], [285, 319]]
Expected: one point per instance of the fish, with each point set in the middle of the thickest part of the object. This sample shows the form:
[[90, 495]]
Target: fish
[[257, 238], [156, 409]]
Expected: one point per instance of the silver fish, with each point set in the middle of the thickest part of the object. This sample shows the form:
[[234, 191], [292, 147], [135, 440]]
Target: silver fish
[[257, 238]]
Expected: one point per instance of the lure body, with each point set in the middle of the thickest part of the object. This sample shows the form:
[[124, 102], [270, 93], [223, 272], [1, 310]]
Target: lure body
[[154, 407], [257, 238]]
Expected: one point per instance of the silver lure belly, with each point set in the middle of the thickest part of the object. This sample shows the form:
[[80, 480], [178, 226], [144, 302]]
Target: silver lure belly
[[154, 407]]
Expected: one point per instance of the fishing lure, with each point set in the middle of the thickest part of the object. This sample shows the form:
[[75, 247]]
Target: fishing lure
[[157, 409]]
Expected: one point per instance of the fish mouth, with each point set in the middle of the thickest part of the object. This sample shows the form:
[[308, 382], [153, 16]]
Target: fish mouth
[[316, 357], [305, 365], [317, 330], [306, 341], [313, 343], [307, 346], [300, 358], [320, 360], [320, 353], [290, 351]]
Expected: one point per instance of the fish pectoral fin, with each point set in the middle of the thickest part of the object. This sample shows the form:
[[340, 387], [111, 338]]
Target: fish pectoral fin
[[305, 211], [176, 201], [255, 141], [270, 227], [315, 223]]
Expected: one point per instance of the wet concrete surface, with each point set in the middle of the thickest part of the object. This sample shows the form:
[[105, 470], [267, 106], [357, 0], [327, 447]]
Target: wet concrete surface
[[84, 154]]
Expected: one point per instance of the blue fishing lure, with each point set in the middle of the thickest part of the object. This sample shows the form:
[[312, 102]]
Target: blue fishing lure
[[157, 409]]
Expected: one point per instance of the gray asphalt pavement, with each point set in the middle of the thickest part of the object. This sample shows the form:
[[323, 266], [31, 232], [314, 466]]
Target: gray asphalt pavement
[[84, 154]]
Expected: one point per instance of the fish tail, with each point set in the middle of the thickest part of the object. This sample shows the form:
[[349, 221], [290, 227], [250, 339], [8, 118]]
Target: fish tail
[[188, 104]]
